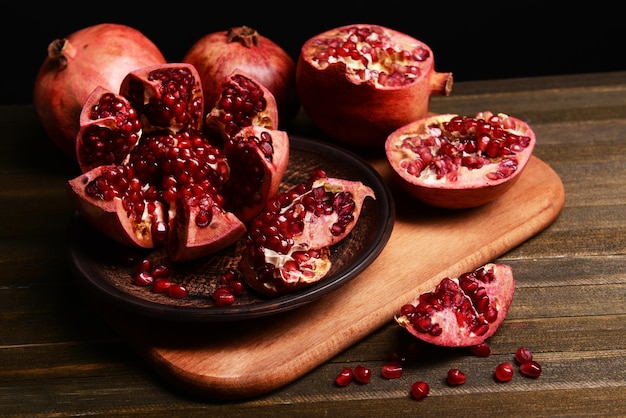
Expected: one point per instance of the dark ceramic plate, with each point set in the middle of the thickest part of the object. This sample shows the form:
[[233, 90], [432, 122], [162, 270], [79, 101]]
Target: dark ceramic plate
[[99, 263]]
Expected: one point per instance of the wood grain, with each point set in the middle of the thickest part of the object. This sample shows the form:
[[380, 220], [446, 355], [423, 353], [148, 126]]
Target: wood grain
[[222, 361]]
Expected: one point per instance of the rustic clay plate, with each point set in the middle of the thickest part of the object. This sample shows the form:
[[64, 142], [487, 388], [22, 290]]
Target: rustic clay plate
[[101, 267]]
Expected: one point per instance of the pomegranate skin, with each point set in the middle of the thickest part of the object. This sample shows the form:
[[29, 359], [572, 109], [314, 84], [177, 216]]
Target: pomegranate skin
[[357, 109], [98, 55], [243, 49], [472, 188]]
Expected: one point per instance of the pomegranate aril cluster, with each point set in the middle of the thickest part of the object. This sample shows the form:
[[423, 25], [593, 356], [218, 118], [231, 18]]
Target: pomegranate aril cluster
[[231, 286], [371, 54], [466, 142], [241, 101]]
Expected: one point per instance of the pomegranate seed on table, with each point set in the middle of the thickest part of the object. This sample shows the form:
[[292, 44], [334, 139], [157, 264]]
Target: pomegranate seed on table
[[523, 355], [420, 389], [456, 377], [530, 369], [504, 372], [362, 374], [391, 370], [344, 377]]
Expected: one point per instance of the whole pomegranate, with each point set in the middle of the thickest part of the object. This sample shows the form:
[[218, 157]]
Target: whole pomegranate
[[287, 245], [457, 162], [155, 171], [242, 48], [463, 311], [98, 55], [360, 82]]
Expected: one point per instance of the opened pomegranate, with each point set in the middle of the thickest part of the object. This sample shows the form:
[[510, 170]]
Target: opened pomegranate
[[358, 83], [463, 311], [98, 55], [287, 246], [156, 172], [457, 162], [241, 48]]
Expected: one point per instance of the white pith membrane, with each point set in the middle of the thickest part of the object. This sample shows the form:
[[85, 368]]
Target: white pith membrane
[[383, 56]]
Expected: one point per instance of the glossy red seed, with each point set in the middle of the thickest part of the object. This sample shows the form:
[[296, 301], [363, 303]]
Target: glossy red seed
[[177, 291], [161, 285], [143, 278], [523, 355], [481, 350], [456, 377], [504, 372], [420, 389], [391, 370], [223, 297], [344, 377], [530, 369], [362, 374]]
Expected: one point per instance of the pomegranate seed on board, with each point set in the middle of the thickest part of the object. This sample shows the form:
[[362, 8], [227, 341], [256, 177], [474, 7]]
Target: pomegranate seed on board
[[391, 370], [523, 355], [456, 377], [530, 368], [362, 374]]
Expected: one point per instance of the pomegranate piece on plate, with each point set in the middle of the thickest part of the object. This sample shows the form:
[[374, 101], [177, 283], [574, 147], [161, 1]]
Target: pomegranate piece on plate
[[463, 311], [459, 162], [287, 246], [154, 172], [360, 82]]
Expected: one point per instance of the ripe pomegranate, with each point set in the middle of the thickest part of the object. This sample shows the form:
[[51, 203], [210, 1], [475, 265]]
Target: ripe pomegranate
[[358, 83], [464, 311], [243, 49], [98, 55], [457, 162], [287, 245], [157, 173]]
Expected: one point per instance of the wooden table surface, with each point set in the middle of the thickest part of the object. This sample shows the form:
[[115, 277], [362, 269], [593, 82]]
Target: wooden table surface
[[58, 357]]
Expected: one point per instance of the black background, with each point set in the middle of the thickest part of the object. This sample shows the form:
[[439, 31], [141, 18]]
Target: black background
[[474, 42]]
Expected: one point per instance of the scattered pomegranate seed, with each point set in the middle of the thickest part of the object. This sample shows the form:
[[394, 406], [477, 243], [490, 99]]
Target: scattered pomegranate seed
[[481, 350], [223, 296], [456, 377], [523, 355], [419, 389], [391, 370], [344, 377], [143, 278], [530, 368], [161, 285], [362, 374], [504, 372], [177, 291]]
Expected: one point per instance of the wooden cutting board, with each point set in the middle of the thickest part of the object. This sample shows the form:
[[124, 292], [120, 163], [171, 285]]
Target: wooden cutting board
[[242, 359]]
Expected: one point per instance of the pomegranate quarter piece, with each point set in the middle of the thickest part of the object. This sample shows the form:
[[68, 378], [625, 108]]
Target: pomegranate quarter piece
[[358, 83], [458, 162], [463, 311], [288, 244]]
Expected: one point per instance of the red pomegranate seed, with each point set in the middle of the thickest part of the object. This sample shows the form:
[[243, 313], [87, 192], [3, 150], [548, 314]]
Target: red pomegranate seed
[[362, 374], [161, 285], [391, 370], [523, 355], [419, 389], [456, 377], [504, 372], [143, 278], [344, 377], [177, 291], [530, 368], [481, 350], [223, 296]]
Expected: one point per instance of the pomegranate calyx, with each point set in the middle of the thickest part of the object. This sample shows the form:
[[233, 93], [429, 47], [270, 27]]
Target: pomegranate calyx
[[245, 35]]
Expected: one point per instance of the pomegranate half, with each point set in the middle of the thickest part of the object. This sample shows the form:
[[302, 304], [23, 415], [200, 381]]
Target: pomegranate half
[[360, 82], [463, 311], [457, 162]]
